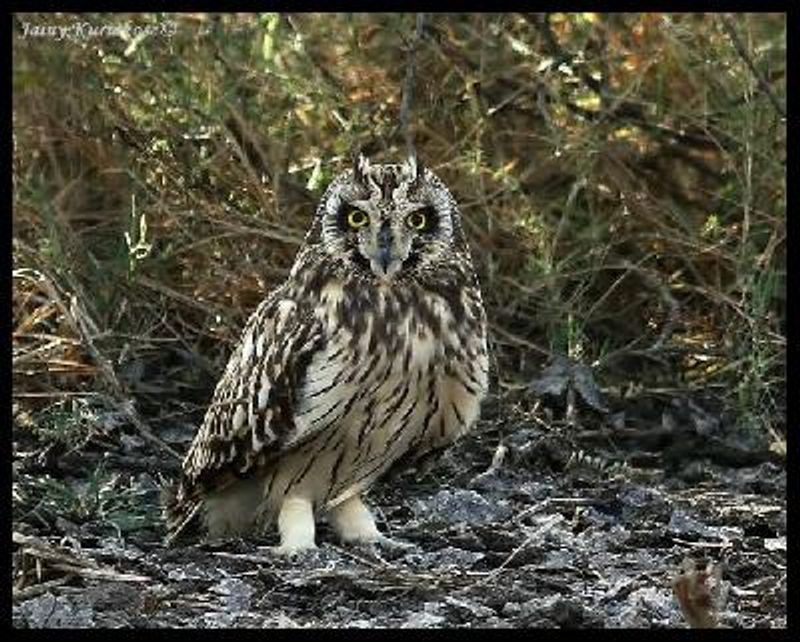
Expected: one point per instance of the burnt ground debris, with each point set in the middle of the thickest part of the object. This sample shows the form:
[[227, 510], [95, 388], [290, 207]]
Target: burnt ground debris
[[529, 521]]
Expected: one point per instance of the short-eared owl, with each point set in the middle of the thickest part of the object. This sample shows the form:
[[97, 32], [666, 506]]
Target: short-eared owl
[[373, 350]]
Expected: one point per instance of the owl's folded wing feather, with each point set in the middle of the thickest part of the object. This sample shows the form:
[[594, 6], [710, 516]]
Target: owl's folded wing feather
[[251, 417]]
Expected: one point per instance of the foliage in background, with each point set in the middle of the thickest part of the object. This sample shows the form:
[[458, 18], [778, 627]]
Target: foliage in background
[[622, 179]]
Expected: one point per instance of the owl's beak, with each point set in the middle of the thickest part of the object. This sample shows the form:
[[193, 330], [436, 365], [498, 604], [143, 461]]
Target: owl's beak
[[384, 259]]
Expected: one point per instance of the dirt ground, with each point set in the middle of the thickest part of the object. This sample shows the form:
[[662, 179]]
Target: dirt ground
[[536, 519]]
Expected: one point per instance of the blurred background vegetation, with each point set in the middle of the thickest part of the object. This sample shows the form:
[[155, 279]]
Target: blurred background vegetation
[[621, 177]]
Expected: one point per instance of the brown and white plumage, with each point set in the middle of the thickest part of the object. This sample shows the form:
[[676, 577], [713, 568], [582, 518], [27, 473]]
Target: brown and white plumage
[[373, 350]]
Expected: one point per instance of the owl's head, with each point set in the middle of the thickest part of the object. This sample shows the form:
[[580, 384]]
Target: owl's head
[[381, 221]]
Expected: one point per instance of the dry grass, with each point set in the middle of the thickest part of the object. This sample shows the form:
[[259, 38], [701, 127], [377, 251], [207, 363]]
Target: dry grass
[[621, 177]]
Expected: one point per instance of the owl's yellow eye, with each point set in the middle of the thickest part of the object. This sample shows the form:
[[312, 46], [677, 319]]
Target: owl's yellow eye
[[356, 219], [417, 220]]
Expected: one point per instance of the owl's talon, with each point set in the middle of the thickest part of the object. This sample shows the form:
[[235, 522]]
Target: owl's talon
[[394, 544], [384, 542], [291, 551]]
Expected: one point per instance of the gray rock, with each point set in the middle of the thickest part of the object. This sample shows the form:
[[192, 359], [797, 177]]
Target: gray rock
[[237, 594], [426, 619], [50, 612], [456, 506], [681, 523]]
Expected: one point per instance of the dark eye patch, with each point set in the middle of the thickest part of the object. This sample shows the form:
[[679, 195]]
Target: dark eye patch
[[343, 214], [431, 218]]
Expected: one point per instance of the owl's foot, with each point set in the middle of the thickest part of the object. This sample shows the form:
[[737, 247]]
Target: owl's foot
[[296, 526], [354, 524]]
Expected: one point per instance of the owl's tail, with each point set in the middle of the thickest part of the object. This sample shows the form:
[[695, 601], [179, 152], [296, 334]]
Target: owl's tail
[[181, 515]]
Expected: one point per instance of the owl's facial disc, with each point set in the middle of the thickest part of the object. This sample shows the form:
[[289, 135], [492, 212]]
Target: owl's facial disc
[[385, 220]]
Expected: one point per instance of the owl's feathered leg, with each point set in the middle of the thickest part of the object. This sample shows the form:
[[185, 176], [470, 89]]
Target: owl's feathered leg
[[353, 522], [296, 525]]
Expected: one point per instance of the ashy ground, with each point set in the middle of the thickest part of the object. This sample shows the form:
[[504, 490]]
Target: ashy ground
[[530, 521]]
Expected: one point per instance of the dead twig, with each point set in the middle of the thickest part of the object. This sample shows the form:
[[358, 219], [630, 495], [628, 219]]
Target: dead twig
[[66, 562], [408, 85], [21, 594], [78, 317], [518, 340], [497, 462], [730, 30], [549, 523], [652, 281]]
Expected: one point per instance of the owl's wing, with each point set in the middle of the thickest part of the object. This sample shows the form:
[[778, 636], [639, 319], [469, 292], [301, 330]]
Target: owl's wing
[[251, 417]]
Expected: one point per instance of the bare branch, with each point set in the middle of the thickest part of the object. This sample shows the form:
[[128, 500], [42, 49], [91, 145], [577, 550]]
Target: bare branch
[[408, 85], [730, 30]]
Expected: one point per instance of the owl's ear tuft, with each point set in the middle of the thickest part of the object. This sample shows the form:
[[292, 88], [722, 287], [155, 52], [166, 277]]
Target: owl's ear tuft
[[361, 168], [415, 167]]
